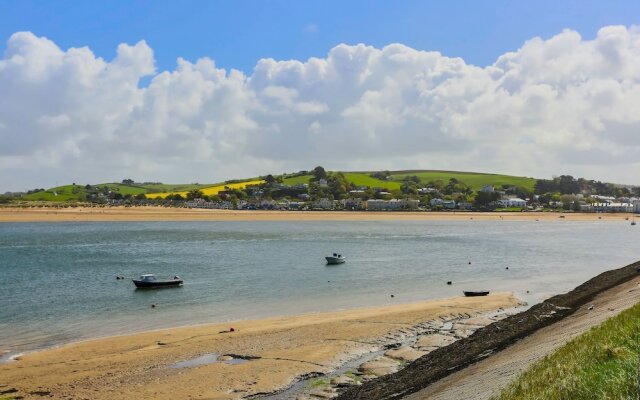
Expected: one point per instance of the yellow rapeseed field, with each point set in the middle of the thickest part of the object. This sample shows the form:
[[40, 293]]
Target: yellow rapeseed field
[[211, 190]]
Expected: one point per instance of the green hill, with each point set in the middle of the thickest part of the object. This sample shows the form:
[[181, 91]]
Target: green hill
[[475, 180]]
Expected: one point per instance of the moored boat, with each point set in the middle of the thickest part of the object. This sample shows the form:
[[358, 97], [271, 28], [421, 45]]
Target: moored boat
[[335, 259], [470, 293], [147, 281]]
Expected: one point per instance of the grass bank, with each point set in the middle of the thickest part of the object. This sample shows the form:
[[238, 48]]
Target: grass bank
[[603, 363]]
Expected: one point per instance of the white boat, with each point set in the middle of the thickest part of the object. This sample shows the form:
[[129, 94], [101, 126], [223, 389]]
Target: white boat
[[335, 259]]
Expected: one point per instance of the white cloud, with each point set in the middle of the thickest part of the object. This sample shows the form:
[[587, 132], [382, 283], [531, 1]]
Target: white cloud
[[562, 105]]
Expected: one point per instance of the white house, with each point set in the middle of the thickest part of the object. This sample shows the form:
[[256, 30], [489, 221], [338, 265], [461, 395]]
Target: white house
[[513, 202], [393, 204]]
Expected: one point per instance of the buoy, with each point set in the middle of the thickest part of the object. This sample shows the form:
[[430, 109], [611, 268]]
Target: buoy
[[393, 296], [153, 306], [469, 262], [507, 268], [448, 282]]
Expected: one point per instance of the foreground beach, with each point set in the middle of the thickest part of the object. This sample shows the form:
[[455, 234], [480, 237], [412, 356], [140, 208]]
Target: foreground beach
[[48, 214], [260, 356]]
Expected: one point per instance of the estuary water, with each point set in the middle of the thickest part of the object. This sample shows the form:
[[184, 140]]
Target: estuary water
[[58, 280]]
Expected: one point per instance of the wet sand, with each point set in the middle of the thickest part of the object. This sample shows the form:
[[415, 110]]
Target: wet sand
[[267, 355], [49, 214]]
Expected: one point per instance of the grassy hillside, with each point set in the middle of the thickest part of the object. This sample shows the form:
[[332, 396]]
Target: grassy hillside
[[603, 363], [358, 178], [473, 179], [78, 193], [211, 190]]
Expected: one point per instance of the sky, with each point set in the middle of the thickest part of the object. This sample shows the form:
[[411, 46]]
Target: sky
[[207, 91]]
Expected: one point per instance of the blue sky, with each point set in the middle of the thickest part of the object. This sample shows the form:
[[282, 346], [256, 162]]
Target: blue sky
[[238, 33], [83, 99]]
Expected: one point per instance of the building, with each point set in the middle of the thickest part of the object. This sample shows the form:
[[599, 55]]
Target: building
[[322, 204], [513, 202], [487, 189], [391, 205], [613, 207]]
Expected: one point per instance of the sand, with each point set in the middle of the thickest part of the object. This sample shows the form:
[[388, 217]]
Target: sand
[[138, 365], [486, 378], [13, 214]]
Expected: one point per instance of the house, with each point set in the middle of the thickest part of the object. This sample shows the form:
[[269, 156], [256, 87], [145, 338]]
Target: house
[[487, 189], [449, 204], [464, 205], [427, 190], [352, 204], [390, 205], [436, 202], [322, 204], [613, 207], [513, 202], [636, 206], [323, 183]]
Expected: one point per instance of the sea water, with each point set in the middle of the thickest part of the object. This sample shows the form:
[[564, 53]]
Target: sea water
[[58, 280]]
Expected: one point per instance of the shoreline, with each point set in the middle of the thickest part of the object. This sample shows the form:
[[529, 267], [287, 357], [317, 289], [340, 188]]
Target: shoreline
[[133, 214], [258, 356], [493, 339]]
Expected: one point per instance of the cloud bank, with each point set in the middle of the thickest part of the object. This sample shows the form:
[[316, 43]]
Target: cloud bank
[[562, 105]]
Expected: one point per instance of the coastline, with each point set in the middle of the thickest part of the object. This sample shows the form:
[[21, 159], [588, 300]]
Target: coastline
[[264, 355], [109, 214], [495, 338]]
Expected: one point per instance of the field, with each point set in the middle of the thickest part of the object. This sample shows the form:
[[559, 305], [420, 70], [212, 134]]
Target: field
[[473, 179], [78, 192], [71, 193], [603, 363], [211, 190]]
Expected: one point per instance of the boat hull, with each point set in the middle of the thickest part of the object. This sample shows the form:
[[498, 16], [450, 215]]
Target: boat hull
[[157, 284], [475, 294], [335, 260]]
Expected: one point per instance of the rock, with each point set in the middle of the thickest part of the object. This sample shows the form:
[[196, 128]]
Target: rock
[[342, 381], [379, 367], [224, 358], [324, 393], [405, 353], [434, 341]]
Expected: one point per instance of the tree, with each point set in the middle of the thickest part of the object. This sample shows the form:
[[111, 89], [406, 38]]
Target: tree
[[128, 181], [319, 173], [269, 179], [194, 194], [484, 199]]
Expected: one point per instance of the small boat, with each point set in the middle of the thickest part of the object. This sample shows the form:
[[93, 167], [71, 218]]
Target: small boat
[[150, 281], [469, 293], [335, 259]]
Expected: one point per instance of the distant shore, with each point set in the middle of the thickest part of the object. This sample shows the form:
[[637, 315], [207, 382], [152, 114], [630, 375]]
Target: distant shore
[[258, 356], [49, 214]]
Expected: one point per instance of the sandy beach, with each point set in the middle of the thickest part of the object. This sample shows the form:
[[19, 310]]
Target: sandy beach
[[262, 356], [48, 214]]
